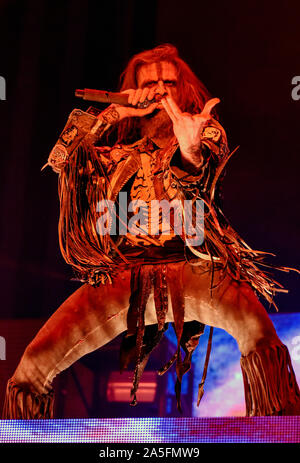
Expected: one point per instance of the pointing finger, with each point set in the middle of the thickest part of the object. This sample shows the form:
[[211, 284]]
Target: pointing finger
[[168, 110], [173, 106]]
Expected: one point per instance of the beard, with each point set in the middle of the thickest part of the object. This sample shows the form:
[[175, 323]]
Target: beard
[[157, 125]]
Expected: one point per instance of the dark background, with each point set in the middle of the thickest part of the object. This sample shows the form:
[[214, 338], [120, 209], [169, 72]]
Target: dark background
[[245, 52]]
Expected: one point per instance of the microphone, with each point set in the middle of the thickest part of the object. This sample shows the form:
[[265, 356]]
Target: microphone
[[112, 97]]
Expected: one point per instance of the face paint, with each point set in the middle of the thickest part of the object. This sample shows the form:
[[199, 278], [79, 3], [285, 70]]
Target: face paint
[[159, 70], [149, 75]]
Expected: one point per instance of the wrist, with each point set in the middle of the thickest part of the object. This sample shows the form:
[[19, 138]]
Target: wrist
[[192, 156], [106, 118], [111, 115]]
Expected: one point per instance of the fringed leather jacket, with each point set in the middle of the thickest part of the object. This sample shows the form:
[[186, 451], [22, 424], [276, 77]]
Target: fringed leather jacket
[[89, 174]]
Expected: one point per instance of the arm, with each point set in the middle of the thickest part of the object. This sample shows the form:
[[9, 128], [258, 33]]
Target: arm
[[80, 126], [195, 133], [86, 126], [212, 153]]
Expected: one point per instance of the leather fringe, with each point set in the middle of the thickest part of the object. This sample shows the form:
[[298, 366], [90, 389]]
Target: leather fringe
[[139, 341], [142, 279], [22, 404], [269, 382], [202, 382]]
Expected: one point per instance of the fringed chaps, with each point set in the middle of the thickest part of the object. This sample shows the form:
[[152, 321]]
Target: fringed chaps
[[22, 404], [269, 381]]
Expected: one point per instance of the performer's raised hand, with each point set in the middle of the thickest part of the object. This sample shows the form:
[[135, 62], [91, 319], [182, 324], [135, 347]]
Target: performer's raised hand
[[188, 127]]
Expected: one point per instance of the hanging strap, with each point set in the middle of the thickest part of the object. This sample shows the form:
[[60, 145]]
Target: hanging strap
[[201, 385]]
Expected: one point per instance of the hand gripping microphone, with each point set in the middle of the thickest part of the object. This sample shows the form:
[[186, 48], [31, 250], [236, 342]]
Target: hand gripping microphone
[[111, 97]]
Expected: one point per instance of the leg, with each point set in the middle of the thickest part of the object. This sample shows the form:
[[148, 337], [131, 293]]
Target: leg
[[269, 380], [88, 319]]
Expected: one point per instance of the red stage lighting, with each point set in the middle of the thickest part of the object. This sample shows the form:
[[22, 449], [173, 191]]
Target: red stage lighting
[[119, 386]]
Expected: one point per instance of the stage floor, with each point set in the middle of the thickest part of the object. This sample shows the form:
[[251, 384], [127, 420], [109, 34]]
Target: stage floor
[[275, 429]]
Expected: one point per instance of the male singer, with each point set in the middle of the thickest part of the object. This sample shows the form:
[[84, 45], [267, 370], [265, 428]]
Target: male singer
[[139, 280]]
